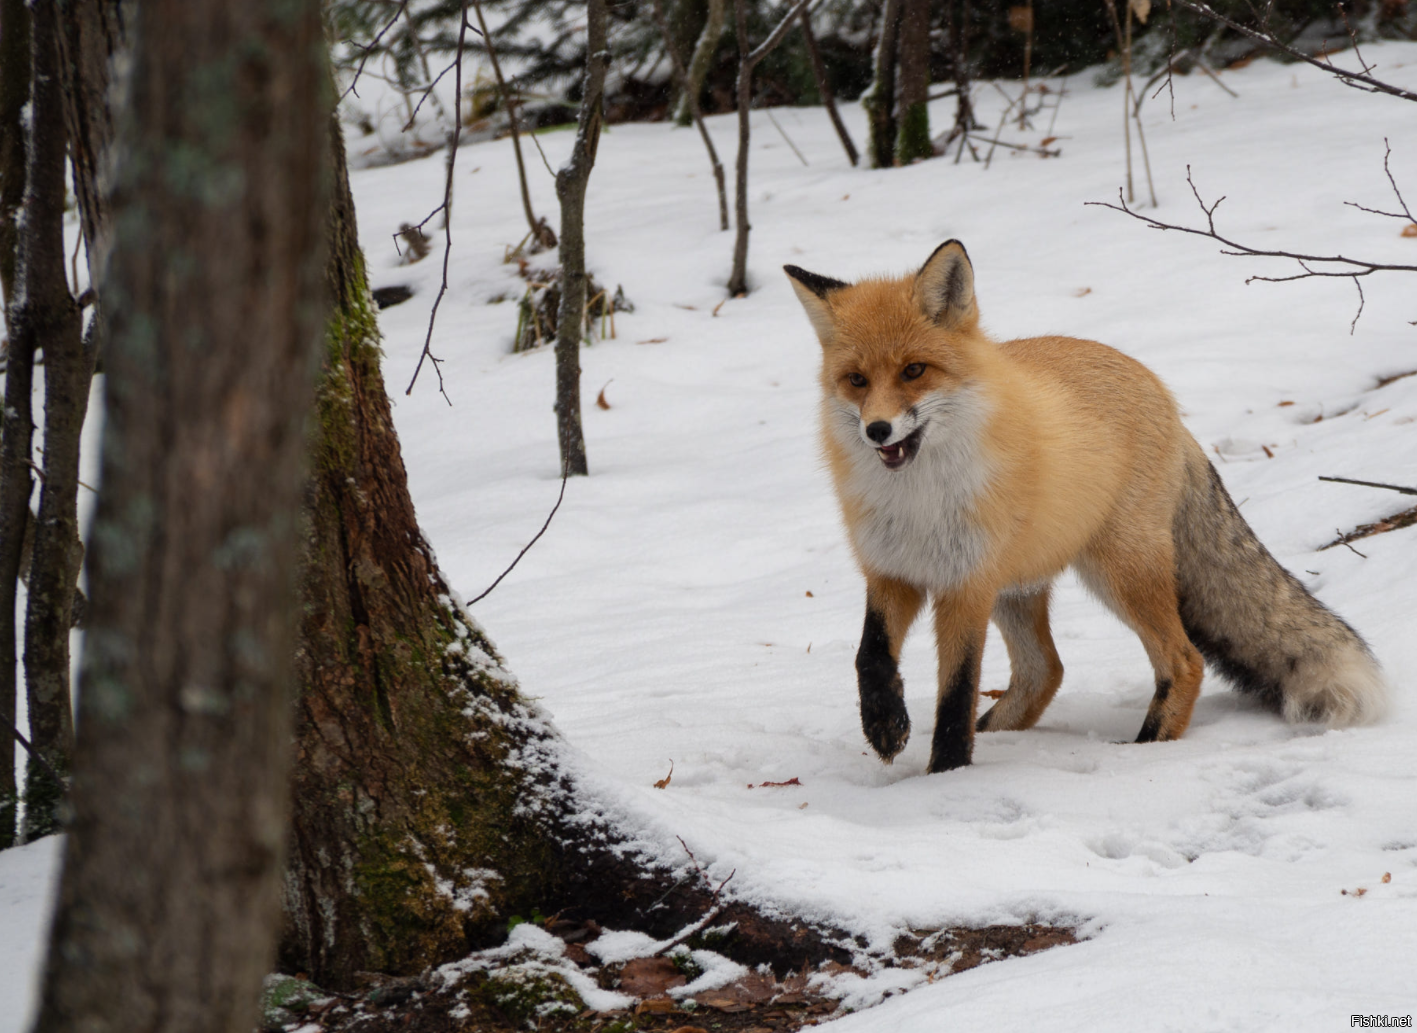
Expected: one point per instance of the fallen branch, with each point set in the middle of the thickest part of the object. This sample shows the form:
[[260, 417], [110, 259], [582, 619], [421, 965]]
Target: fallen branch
[[1372, 484]]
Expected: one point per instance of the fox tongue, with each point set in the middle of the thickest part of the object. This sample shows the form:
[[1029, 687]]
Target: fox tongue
[[892, 452]]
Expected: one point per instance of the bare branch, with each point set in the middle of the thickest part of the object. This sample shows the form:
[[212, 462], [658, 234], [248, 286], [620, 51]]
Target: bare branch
[[1358, 80], [565, 472], [369, 49], [1350, 268], [776, 36], [446, 206], [691, 97]]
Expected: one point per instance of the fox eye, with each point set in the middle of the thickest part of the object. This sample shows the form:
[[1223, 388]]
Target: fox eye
[[913, 370], [856, 379]]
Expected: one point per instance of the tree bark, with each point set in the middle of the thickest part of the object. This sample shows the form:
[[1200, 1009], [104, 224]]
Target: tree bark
[[699, 62], [92, 35], [913, 132], [169, 896], [14, 94], [819, 70], [571, 182], [879, 100], [46, 318], [17, 424]]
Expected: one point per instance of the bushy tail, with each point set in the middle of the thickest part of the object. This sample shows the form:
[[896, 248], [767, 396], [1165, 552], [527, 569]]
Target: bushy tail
[[1256, 623]]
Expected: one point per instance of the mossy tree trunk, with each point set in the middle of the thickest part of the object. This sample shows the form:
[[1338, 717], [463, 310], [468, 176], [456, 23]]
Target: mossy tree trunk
[[169, 897], [879, 100], [700, 61], [913, 131], [403, 800], [431, 801]]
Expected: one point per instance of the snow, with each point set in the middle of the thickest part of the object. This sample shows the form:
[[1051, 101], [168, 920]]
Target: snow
[[666, 613]]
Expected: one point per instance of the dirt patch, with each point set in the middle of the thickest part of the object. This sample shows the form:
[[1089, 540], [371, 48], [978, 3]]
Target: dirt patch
[[764, 999]]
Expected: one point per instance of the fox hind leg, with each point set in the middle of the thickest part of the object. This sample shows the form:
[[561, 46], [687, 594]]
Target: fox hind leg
[[1035, 672], [1139, 585]]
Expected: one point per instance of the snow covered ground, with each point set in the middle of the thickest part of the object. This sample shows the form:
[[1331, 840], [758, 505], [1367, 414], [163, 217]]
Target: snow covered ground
[[695, 600]]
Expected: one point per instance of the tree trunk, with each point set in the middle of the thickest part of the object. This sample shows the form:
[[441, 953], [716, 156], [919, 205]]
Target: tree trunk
[[748, 60], [169, 897], [700, 61], [14, 94], [879, 100], [45, 318], [738, 279], [571, 183], [913, 132], [16, 426]]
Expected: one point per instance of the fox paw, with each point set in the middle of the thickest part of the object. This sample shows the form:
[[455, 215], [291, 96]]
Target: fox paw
[[885, 721]]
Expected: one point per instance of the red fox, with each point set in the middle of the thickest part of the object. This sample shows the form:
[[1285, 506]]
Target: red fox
[[975, 471]]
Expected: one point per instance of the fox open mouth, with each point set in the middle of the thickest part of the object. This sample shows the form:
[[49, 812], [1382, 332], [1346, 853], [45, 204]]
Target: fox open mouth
[[903, 451]]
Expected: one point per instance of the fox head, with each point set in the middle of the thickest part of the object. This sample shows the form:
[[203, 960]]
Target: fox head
[[897, 353]]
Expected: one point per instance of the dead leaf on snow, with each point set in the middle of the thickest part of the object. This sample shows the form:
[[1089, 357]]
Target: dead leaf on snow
[[664, 782], [650, 978]]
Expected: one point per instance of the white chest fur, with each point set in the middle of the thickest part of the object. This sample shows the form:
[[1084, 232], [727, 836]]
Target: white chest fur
[[917, 523]]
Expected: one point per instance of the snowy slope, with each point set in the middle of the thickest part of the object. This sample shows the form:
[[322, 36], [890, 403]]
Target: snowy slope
[[666, 613]]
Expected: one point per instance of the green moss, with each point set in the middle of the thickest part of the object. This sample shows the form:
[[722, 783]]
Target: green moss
[[284, 999], [913, 140], [525, 994]]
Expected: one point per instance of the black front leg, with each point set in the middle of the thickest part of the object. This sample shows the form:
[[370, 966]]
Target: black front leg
[[952, 745], [883, 715]]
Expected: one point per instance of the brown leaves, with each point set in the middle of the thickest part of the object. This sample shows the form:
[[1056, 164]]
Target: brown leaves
[[663, 783], [650, 978], [775, 785], [600, 398], [1410, 230]]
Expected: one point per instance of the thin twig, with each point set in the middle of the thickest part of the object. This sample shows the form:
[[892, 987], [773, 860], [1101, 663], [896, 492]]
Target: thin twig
[[446, 206], [1372, 484], [795, 151], [565, 472], [38, 759], [372, 46]]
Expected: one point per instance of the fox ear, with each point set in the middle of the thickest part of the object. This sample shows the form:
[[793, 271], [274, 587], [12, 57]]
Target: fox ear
[[815, 294], [944, 287]]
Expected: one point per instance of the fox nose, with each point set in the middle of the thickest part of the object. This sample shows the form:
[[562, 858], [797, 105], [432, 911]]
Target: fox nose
[[879, 431]]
